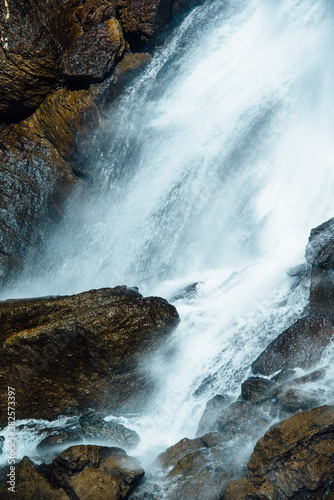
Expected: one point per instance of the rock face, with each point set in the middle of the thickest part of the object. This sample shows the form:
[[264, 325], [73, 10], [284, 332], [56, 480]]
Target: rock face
[[52, 54], [194, 469], [95, 472], [81, 351], [292, 460], [95, 427], [95, 52], [320, 256], [80, 472], [301, 346]]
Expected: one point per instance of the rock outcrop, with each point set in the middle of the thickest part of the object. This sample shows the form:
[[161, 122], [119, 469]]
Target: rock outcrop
[[320, 257], [301, 345], [80, 472], [84, 351], [293, 460], [62, 62]]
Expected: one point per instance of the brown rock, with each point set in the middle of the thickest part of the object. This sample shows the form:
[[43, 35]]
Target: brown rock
[[144, 21], [296, 400], [96, 427], [67, 120], [169, 458], [29, 59], [95, 12], [255, 389], [35, 180], [320, 256], [199, 475], [81, 351], [97, 472], [95, 52], [56, 440], [30, 484], [214, 407], [294, 460], [301, 345]]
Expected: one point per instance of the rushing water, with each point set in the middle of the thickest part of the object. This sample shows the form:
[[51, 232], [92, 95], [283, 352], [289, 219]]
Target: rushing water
[[214, 167]]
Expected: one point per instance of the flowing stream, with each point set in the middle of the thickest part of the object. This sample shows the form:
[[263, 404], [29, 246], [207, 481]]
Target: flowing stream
[[213, 168]]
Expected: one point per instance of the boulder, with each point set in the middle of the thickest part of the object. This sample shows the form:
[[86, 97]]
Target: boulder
[[214, 407], [97, 472], [35, 181], [294, 459], [199, 475], [169, 458], [301, 345], [54, 441], [68, 119], [94, 54], [320, 256], [81, 351], [95, 427], [255, 389], [143, 21], [29, 59], [29, 483], [295, 400]]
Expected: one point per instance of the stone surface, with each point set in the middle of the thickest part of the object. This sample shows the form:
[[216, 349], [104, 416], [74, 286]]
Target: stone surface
[[255, 389], [293, 460], [95, 427], [301, 345], [98, 472], [81, 351], [68, 119], [95, 52], [169, 458], [320, 256], [35, 181], [214, 407], [31, 485], [60, 438], [296, 400]]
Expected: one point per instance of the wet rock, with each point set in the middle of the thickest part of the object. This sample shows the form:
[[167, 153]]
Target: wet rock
[[283, 376], [320, 248], [255, 389], [320, 256], [186, 293], [169, 458], [293, 460], [35, 181], [97, 472], [29, 59], [81, 351], [144, 21], [96, 427], [55, 440], [295, 400], [301, 345], [95, 52], [2, 442], [214, 407], [298, 271], [236, 419], [124, 72], [95, 12], [199, 475], [67, 119], [30, 484]]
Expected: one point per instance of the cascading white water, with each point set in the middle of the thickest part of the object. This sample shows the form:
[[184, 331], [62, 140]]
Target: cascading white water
[[220, 162]]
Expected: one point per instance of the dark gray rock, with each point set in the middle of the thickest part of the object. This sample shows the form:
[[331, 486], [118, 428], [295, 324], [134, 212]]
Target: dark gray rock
[[96, 427]]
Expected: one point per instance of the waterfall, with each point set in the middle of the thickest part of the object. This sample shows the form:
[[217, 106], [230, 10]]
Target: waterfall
[[213, 168]]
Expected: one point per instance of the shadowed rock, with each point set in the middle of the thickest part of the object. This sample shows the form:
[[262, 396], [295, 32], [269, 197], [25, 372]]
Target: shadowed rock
[[293, 460], [82, 351], [301, 346]]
